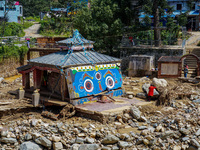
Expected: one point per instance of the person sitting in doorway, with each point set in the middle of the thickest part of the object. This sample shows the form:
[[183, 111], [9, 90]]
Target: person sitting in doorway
[[151, 92]]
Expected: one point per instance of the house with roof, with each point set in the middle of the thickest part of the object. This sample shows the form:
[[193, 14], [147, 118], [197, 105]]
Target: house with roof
[[181, 6], [13, 12], [76, 73]]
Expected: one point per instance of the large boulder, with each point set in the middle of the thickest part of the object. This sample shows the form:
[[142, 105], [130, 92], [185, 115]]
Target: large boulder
[[141, 95], [135, 112], [159, 82], [145, 88], [29, 146], [110, 139], [44, 142]]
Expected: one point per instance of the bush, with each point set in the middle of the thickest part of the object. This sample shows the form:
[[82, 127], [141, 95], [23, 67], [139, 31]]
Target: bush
[[27, 24], [12, 29]]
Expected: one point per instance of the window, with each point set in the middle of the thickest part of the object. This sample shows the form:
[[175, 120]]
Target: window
[[11, 8], [179, 7], [20, 9], [193, 6], [1, 9]]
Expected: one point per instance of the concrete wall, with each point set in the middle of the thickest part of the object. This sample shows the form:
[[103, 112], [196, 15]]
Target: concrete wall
[[126, 52]]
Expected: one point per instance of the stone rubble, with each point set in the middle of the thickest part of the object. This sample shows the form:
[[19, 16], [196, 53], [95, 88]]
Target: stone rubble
[[170, 128]]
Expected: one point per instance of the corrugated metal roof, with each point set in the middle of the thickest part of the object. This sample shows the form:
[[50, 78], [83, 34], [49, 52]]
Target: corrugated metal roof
[[170, 59], [63, 59]]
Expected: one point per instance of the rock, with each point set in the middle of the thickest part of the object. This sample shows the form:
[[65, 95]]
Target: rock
[[90, 140], [1, 79], [29, 146], [57, 146], [79, 140], [196, 101], [34, 122], [143, 119], [144, 79], [28, 137], [75, 147], [184, 131], [8, 140], [135, 112], [88, 147], [44, 142], [158, 128], [4, 133], [115, 148], [168, 134], [129, 93], [130, 96], [56, 138], [192, 148], [185, 139], [145, 88], [123, 144], [110, 139], [105, 148], [194, 143], [176, 148], [142, 127], [159, 82], [141, 95], [198, 132], [146, 142]]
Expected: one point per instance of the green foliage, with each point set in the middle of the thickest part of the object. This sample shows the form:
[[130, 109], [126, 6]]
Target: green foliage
[[12, 29], [55, 26], [182, 19], [31, 18], [27, 24], [102, 23], [33, 7], [10, 51], [191, 3]]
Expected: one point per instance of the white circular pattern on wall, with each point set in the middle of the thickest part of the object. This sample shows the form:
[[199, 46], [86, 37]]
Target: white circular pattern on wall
[[98, 76], [88, 85], [110, 82]]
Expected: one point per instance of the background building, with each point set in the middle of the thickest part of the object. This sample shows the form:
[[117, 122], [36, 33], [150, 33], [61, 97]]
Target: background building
[[12, 12]]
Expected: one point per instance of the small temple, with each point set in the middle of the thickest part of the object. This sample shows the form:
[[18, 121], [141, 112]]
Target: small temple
[[76, 74]]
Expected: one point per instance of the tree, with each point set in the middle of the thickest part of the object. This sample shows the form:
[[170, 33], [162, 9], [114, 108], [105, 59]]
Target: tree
[[157, 9], [103, 23], [182, 19]]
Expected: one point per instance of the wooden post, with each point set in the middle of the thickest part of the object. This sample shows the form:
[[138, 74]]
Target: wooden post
[[62, 87], [28, 55], [26, 80], [37, 77]]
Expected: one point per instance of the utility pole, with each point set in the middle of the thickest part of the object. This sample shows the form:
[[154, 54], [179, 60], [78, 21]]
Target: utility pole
[[156, 24]]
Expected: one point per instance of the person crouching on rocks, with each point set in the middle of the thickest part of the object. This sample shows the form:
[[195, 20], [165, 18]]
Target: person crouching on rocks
[[151, 92]]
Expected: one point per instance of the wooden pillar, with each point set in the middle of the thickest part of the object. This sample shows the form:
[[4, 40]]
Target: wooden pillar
[[37, 78], [198, 69], [28, 55], [26, 80], [180, 69], [62, 87]]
